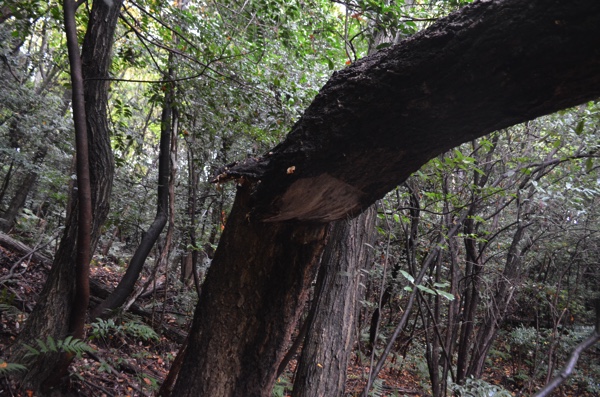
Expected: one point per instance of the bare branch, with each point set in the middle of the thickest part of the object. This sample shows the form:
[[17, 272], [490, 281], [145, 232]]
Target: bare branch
[[570, 365]]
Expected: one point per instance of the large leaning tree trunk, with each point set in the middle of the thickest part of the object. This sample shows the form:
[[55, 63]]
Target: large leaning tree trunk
[[491, 65], [330, 328], [52, 315]]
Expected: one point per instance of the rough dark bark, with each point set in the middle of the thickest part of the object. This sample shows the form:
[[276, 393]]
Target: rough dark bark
[[51, 316], [81, 289], [322, 365], [96, 56], [252, 297], [489, 66]]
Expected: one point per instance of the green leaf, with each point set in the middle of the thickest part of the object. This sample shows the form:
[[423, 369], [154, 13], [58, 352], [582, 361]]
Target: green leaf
[[408, 276], [6, 368], [42, 345], [330, 64], [446, 295], [579, 127], [383, 45], [589, 164], [66, 342], [425, 289], [51, 344], [31, 351]]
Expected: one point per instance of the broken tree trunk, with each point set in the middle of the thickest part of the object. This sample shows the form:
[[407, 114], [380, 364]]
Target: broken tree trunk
[[489, 66]]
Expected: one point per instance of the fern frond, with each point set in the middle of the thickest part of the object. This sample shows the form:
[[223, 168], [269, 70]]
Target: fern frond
[[68, 345], [43, 347], [75, 346], [378, 388], [51, 344], [7, 368], [9, 310], [32, 352], [141, 331]]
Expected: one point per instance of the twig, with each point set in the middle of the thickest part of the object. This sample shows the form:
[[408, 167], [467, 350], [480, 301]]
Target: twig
[[101, 388], [125, 365], [570, 365], [427, 262], [380, 302]]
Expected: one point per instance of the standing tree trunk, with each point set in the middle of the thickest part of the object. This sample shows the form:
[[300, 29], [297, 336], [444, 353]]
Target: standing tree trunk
[[329, 332], [81, 291], [268, 273], [501, 304], [489, 66], [18, 200], [322, 365], [54, 310], [470, 301], [127, 283], [190, 261]]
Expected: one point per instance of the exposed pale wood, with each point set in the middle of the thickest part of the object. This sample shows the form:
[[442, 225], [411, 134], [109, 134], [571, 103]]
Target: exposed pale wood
[[491, 65]]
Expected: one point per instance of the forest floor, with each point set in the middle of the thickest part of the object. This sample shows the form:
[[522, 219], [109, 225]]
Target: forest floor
[[129, 358]]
